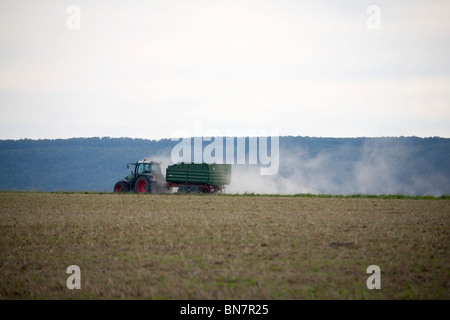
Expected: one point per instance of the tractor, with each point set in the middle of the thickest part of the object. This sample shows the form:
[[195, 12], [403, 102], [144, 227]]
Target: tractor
[[146, 177]]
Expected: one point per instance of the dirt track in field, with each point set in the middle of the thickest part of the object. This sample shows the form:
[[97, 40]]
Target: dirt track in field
[[222, 247]]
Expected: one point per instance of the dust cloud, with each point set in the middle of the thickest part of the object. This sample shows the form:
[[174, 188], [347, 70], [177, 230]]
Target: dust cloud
[[376, 168]]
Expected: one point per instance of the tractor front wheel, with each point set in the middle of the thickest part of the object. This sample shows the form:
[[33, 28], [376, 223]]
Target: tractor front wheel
[[121, 186]]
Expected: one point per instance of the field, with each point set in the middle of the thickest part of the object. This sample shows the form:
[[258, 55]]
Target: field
[[132, 246]]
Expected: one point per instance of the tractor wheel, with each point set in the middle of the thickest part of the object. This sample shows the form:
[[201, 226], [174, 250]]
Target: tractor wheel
[[143, 185], [153, 187], [194, 189], [121, 186]]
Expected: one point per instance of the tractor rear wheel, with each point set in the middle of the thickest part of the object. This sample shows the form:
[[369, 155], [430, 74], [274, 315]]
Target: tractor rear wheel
[[143, 185], [121, 186]]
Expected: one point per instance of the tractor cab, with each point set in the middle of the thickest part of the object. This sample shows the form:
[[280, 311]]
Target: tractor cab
[[148, 167], [145, 167]]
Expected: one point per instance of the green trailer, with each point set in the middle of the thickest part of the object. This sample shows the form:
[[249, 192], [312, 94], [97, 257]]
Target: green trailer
[[198, 177]]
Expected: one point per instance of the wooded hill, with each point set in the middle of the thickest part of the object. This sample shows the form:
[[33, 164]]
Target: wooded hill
[[392, 165]]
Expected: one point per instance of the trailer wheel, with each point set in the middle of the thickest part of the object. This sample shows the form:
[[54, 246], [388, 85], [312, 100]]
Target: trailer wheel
[[183, 189], [205, 189], [194, 189], [121, 186]]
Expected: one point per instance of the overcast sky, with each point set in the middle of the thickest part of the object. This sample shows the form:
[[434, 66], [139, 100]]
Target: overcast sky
[[151, 69]]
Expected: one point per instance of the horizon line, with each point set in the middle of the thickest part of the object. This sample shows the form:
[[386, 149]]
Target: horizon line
[[250, 136]]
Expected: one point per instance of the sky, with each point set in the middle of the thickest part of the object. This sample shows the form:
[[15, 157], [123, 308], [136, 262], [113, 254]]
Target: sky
[[164, 69]]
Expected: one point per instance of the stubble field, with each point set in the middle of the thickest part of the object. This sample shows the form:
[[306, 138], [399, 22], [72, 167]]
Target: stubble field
[[222, 247]]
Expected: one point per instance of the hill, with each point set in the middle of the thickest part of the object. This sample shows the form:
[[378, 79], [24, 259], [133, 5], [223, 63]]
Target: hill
[[391, 165]]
